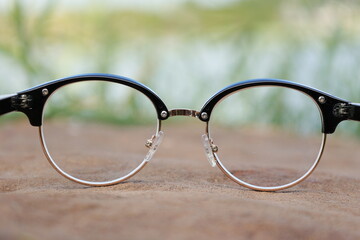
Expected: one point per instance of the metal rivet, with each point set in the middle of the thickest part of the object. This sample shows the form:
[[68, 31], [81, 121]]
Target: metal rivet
[[322, 99], [45, 92], [164, 114], [204, 116]]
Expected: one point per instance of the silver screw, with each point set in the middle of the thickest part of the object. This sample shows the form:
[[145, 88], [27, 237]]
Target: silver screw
[[204, 116], [164, 114], [214, 148], [322, 99], [45, 92], [149, 143]]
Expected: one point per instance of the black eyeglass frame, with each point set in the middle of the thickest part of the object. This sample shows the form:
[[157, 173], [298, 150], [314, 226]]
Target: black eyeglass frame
[[333, 110], [31, 102]]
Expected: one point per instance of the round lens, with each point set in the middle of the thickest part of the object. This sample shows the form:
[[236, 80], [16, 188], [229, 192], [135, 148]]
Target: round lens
[[267, 136], [96, 130]]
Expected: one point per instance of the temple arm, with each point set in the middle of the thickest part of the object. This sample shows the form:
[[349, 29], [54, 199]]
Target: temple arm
[[355, 114], [6, 105]]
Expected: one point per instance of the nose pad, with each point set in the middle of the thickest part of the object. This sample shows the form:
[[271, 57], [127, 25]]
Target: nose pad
[[209, 149], [153, 145]]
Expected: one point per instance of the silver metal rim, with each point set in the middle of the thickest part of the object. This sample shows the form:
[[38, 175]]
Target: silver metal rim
[[269, 189], [84, 182]]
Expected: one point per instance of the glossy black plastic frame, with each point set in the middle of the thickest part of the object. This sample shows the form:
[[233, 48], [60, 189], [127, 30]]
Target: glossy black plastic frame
[[32, 101]]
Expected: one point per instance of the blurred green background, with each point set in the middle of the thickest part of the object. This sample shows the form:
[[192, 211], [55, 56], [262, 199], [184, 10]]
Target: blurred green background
[[184, 47]]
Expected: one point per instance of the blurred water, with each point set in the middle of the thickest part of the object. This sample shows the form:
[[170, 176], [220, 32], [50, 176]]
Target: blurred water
[[200, 69]]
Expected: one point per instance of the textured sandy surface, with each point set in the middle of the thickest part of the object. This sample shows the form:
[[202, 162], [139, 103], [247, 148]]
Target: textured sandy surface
[[177, 196]]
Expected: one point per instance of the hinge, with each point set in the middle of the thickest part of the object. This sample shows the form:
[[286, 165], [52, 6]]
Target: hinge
[[343, 110], [21, 102]]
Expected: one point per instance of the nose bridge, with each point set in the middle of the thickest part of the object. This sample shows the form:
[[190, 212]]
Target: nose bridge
[[184, 112]]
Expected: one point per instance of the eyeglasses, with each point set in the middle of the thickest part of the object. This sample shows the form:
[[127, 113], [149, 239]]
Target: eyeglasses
[[264, 134]]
